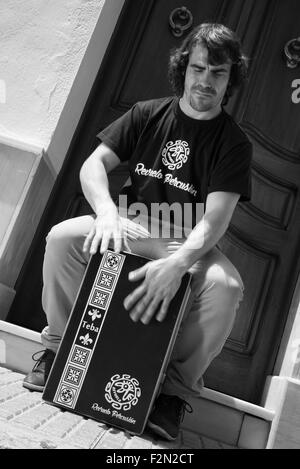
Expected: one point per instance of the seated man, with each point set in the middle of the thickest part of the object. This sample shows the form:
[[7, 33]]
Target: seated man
[[183, 149]]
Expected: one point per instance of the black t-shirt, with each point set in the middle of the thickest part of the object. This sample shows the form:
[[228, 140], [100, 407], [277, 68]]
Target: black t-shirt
[[175, 158]]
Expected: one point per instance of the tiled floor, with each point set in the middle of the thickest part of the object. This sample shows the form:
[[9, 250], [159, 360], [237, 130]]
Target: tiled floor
[[26, 421]]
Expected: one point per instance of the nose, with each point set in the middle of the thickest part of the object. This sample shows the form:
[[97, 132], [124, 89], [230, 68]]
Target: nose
[[206, 79]]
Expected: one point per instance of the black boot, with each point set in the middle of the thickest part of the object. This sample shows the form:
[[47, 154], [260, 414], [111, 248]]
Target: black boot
[[167, 415]]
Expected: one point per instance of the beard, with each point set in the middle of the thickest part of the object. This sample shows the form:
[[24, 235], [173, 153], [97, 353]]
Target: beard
[[203, 103], [200, 104]]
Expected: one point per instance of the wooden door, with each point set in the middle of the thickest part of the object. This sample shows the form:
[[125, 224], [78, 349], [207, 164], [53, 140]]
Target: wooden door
[[263, 238]]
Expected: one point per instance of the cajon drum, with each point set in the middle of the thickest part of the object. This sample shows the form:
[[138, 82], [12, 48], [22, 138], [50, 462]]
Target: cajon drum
[[108, 367]]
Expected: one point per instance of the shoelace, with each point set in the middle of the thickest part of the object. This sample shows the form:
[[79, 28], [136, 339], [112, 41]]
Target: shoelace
[[186, 407], [40, 359], [181, 406]]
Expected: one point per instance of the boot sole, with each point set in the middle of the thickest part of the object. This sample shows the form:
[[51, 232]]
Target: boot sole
[[33, 387]]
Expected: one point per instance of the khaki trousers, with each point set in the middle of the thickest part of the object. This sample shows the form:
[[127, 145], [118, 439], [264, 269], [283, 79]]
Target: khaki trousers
[[216, 285]]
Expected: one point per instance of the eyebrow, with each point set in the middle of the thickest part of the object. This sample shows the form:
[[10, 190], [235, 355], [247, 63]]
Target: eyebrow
[[222, 69]]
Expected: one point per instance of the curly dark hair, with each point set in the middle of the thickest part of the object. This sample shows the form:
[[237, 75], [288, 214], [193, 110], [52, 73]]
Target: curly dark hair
[[222, 44]]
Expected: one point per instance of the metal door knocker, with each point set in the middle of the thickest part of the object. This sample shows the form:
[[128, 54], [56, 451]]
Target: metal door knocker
[[180, 20], [292, 52]]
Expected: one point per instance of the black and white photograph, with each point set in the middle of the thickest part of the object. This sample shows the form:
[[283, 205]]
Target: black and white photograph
[[150, 227]]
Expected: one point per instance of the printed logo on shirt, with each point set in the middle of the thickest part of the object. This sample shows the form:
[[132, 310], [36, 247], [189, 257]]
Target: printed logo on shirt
[[175, 154]]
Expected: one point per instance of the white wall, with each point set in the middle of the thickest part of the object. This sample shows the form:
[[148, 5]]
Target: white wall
[[83, 83], [42, 46], [50, 54]]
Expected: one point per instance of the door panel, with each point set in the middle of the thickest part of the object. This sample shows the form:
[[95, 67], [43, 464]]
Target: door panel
[[263, 238], [271, 86]]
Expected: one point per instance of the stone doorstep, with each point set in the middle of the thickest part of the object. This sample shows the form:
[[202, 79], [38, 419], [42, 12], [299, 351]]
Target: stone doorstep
[[27, 422], [216, 416]]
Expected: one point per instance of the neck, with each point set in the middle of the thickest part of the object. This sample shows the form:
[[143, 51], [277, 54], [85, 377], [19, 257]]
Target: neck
[[199, 115]]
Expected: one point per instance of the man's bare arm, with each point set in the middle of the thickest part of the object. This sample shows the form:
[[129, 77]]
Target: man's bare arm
[[95, 187], [108, 224], [206, 234], [93, 177], [162, 277]]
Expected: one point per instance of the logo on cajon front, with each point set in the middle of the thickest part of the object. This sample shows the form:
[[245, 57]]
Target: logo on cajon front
[[122, 392]]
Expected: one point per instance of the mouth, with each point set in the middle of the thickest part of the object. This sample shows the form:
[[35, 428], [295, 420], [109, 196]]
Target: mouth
[[204, 93]]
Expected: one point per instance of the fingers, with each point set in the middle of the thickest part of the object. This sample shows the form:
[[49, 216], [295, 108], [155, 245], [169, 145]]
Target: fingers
[[163, 310], [120, 230], [144, 307], [131, 299], [143, 310], [143, 304], [148, 314], [139, 231], [88, 240], [152, 298], [92, 240], [133, 230], [118, 242], [131, 236], [101, 234], [126, 245], [138, 274], [104, 242]]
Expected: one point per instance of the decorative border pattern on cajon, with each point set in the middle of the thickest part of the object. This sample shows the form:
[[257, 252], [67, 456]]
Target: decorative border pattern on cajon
[[89, 329]]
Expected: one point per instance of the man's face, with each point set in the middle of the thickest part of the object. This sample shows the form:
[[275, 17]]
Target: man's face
[[205, 85]]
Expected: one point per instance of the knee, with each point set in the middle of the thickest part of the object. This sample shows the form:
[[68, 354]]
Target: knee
[[228, 286], [56, 234], [66, 239], [58, 240], [225, 285], [235, 292]]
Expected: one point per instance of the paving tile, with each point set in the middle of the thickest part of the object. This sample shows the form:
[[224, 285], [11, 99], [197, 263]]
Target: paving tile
[[10, 377], [62, 424], [26, 421], [190, 440], [163, 444], [10, 391], [112, 439], [226, 446], [138, 442], [217, 421], [19, 404], [208, 443], [14, 436], [37, 416], [87, 434]]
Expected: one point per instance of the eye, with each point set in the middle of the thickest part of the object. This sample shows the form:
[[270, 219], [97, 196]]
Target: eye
[[220, 73], [197, 69]]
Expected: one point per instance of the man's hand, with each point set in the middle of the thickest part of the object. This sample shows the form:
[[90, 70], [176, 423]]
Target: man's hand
[[162, 279], [109, 226]]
